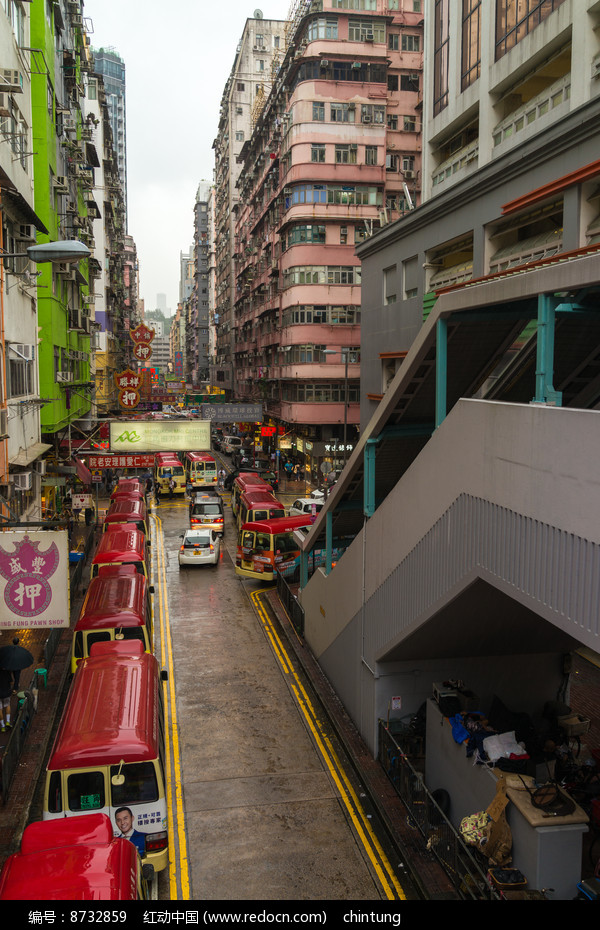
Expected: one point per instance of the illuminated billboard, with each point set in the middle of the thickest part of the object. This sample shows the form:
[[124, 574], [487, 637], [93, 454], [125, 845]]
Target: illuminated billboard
[[135, 436]]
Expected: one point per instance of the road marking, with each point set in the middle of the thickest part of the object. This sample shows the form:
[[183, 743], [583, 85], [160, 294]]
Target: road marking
[[178, 856], [386, 874]]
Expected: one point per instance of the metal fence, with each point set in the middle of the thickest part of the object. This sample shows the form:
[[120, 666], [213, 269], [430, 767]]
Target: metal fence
[[292, 607], [425, 815], [18, 734]]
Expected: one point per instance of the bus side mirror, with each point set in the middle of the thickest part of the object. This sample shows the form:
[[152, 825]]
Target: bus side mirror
[[164, 675], [151, 589], [148, 872]]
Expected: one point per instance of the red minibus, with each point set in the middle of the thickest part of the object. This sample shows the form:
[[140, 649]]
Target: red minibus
[[130, 494], [109, 754], [128, 511], [241, 484], [123, 545], [75, 859], [116, 607], [200, 469], [127, 485], [268, 546], [258, 503]]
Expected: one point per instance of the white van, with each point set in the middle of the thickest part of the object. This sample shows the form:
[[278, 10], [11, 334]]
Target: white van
[[230, 444]]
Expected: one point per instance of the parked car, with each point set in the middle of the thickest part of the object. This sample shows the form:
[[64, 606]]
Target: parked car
[[305, 506], [199, 547]]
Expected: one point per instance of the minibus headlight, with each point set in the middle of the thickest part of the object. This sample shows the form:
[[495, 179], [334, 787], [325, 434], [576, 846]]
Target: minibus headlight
[[156, 841]]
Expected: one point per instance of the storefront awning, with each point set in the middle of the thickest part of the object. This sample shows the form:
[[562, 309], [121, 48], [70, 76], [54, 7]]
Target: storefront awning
[[25, 456]]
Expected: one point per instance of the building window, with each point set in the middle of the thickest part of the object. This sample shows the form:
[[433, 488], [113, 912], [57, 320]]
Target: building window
[[392, 82], [92, 90], [260, 64], [516, 18], [241, 86], [440, 55], [300, 234], [366, 31], [370, 154], [317, 153], [372, 113], [318, 111], [409, 82], [345, 154], [394, 41], [411, 43], [471, 42], [239, 136], [389, 285], [391, 162], [260, 41], [392, 121], [409, 123], [322, 29], [342, 112], [343, 235]]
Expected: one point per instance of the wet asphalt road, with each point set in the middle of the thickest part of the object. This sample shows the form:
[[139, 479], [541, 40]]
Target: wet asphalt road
[[260, 815]]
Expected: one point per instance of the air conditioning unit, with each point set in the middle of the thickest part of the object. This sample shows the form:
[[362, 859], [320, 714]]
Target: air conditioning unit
[[369, 37], [287, 191], [324, 63], [413, 77], [366, 119], [60, 183], [409, 175], [14, 80], [356, 65], [63, 376], [23, 351], [352, 106], [22, 481], [40, 466]]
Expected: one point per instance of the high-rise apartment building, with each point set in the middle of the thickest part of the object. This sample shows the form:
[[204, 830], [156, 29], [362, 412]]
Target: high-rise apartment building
[[334, 155], [257, 58], [112, 68]]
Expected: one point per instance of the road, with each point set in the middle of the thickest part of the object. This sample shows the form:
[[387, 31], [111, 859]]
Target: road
[[263, 804]]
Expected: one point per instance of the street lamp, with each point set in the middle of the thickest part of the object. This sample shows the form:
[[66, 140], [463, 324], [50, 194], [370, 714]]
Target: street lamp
[[345, 354], [70, 250]]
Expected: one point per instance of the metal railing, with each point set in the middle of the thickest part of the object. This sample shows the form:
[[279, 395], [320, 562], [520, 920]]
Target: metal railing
[[291, 605], [12, 751], [425, 815]]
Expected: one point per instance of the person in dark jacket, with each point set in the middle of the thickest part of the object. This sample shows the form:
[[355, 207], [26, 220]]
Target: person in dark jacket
[[6, 680]]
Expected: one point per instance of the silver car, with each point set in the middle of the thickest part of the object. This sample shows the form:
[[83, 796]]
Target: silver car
[[199, 547]]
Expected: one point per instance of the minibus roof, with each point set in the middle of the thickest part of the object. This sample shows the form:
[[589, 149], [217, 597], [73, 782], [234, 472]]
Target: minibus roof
[[111, 712], [119, 545], [72, 858], [124, 508], [199, 456], [256, 493], [248, 478], [129, 494], [277, 525], [115, 599], [127, 484]]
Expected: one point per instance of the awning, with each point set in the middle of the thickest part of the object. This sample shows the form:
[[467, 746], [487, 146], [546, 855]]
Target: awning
[[25, 456]]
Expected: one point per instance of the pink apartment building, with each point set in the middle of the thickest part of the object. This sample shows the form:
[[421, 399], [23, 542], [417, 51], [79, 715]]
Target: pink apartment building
[[334, 154]]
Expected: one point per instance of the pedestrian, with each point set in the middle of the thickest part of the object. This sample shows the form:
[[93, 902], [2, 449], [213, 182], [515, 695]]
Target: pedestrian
[[297, 471], [171, 487], [148, 489], [108, 480], [221, 481], [5, 693], [89, 514]]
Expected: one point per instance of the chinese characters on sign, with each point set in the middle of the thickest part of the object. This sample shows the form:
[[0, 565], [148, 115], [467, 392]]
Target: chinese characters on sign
[[120, 461], [232, 413], [128, 383], [34, 576]]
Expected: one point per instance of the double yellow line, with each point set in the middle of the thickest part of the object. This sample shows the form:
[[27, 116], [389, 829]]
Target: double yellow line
[[179, 877], [386, 874]]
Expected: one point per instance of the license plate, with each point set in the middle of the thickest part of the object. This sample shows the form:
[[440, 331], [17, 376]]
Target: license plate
[[197, 552]]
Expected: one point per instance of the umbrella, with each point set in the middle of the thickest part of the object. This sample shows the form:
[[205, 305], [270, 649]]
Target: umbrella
[[13, 658]]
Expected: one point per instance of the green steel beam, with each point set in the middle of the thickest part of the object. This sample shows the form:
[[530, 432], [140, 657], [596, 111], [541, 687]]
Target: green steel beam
[[544, 370], [441, 371]]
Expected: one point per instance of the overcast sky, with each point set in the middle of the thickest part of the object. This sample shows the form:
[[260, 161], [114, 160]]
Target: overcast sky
[[177, 56]]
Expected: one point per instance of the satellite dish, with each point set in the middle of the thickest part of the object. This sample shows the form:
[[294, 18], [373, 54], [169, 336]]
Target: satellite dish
[[258, 14]]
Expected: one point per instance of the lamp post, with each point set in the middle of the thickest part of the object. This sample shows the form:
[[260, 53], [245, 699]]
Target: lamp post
[[70, 250], [345, 354]]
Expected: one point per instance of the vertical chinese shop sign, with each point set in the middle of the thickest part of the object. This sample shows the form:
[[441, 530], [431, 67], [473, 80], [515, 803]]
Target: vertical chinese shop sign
[[128, 384]]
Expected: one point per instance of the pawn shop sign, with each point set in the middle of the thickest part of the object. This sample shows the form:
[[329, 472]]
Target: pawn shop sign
[[142, 351], [142, 334], [128, 379], [129, 399]]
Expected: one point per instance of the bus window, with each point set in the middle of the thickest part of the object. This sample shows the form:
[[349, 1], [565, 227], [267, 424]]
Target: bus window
[[78, 645], [140, 783], [55, 793], [85, 791], [100, 637]]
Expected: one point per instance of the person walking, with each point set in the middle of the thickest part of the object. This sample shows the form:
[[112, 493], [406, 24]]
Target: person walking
[[5, 693], [171, 487], [221, 481]]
